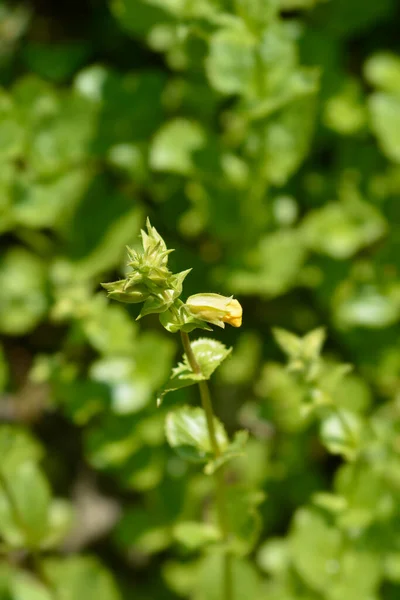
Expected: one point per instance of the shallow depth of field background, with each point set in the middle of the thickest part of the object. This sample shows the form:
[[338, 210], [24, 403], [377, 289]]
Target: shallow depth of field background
[[262, 138]]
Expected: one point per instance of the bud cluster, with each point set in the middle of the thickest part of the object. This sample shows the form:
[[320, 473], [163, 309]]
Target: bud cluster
[[152, 283]]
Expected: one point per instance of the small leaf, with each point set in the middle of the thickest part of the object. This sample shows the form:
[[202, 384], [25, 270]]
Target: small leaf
[[187, 433], [60, 520], [341, 433], [209, 355], [288, 342], [153, 305], [312, 343], [231, 61], [174, 145]]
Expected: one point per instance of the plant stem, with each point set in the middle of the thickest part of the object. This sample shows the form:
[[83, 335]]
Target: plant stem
[[220, 495]]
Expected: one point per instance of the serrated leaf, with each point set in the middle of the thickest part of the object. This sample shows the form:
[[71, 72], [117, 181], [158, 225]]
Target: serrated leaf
[[187, 432], [209, 355]]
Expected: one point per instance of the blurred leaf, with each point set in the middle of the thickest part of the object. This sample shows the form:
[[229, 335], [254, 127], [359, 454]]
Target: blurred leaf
[[80, 577], [195, 535], [28, 514], [230, 64], [341, 433], [187, 433], [340, 230], [382, 70], [209, 585], [23, 300], [318, 555], [25, 587], [385, 121], [173, 146], [280, 256]]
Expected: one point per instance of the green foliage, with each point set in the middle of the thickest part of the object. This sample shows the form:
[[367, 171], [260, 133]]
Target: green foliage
[[209, 355], [262, 137]]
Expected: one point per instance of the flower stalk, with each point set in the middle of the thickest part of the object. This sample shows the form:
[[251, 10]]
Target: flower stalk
[[150, 282], [219, 474]]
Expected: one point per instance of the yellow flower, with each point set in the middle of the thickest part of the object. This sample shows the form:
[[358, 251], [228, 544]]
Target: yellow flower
[[215, 309]]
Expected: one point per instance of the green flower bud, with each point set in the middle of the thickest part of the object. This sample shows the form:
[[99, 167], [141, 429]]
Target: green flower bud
[[133, 295]]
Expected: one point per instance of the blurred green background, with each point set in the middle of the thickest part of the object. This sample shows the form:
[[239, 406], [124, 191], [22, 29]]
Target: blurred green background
[[262, 138]]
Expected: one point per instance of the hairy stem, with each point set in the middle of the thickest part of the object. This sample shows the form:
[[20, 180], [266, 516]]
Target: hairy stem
[[219, 476]]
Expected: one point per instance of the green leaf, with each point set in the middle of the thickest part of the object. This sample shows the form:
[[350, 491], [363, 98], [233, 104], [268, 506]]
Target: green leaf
[[231, 61], [290, 344], [209, 585], [341, 433], [194, 535], [314, 545], [312, 343], [174, 145], [24, 586], [60, 521], [80, 577], [278, 261], [327, 564], [286, 139], [209, 355], [340, 229], [385, 120], [382, 70], [187, 432], [23, 300], [16, 447], [273, 556], [28, 513]]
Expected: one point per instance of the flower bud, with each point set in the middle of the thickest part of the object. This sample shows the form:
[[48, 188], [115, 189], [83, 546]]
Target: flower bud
[[132, 295], [215, 309]]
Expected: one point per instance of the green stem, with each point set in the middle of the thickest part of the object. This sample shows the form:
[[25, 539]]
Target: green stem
[[220, 495]]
